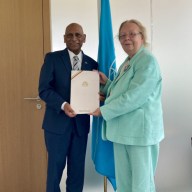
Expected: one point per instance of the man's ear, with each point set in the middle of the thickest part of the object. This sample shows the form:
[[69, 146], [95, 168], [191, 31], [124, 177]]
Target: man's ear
[[64, 38], [84, 38]]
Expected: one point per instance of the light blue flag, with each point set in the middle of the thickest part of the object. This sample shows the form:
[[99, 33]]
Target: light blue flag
[[102, 151]]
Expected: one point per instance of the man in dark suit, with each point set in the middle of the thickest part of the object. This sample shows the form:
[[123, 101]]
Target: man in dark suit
[[65, 132]]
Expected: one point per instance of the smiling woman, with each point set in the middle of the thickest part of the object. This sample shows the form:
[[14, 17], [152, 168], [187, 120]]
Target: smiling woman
[[174, 169], [132, 113]]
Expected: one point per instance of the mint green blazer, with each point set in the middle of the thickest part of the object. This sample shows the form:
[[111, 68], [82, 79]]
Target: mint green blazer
[[132, 111]]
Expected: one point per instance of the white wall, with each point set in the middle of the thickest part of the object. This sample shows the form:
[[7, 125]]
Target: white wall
[[171, 33], [172, 46]]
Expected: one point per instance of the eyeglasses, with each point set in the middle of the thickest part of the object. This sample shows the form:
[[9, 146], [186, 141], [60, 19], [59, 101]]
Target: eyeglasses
[[71, 35], [131, 35]]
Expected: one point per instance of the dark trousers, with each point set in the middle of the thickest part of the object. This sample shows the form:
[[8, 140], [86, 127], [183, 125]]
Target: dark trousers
[[62, 148]]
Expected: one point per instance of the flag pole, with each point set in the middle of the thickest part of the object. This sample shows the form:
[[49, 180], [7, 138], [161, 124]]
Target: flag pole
[[106, 67], [105, 184], [99, 11]]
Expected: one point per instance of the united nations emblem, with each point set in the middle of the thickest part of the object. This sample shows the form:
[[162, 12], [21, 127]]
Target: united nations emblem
[[85, 84]]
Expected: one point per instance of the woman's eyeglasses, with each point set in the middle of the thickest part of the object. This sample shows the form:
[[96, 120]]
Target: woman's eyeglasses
[[130, 35]]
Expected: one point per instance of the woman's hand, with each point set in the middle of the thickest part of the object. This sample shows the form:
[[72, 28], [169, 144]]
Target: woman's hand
[[96, 113], [102, 97], [103, 78]]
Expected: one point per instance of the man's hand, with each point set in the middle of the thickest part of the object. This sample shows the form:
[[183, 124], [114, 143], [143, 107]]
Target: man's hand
[[69, 111]]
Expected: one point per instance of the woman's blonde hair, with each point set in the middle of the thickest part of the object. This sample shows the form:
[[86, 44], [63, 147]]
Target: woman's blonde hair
[[141, 28]]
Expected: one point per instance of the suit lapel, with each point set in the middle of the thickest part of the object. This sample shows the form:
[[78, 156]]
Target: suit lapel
[[85, 63], [66, 60], [125, 70], [119, 75]]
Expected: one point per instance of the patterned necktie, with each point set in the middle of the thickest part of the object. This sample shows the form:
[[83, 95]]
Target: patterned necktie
[[75, 62]]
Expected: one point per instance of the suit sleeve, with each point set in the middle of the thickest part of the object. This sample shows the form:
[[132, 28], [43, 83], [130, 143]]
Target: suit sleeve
[[46, 85]]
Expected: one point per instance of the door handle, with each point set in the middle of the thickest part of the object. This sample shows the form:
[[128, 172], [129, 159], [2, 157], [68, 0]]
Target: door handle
[[33, 98], [38, 99]]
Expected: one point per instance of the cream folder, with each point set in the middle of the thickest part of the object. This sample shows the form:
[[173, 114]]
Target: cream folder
[[84, 91]]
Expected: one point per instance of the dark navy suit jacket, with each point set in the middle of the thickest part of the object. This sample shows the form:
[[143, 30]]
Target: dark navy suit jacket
[[54, 89]]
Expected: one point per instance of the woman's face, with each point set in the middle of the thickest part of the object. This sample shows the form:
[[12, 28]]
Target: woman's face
[[130, 38]]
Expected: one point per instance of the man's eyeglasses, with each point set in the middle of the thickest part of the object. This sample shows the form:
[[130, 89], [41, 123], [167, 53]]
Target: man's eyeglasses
[[76, 35], [130, 35]]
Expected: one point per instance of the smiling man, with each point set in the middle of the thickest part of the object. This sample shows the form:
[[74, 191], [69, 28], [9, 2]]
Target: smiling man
[[65, 132]]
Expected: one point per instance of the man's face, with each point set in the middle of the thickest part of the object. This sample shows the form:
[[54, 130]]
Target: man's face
[[74, 38]]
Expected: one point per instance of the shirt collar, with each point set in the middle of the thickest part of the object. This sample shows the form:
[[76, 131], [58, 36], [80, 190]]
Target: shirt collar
[[71, 55]]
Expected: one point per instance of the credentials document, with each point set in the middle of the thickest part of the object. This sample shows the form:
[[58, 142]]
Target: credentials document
[[84, 91]]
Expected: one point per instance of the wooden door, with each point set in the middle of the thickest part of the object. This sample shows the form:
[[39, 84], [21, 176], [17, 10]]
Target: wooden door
[[24, 39]]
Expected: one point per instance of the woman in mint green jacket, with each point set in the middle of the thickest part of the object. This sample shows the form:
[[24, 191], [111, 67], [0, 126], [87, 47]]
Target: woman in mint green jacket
[[132, 112]]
